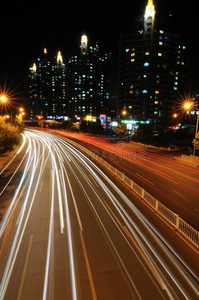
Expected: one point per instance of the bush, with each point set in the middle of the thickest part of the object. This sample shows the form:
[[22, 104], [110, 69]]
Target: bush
[[91, 127], [9, 136]]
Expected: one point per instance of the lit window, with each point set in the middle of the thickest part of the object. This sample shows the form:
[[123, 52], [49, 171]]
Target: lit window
[[161, 31], [144, 92], [133, 59], [146, 53], [156, 92], [160, 43], [146, 64], [159, 54], [132, 54], [127, 50]]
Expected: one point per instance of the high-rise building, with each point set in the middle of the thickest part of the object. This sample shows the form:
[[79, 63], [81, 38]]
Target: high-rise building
[[47, 89], [87, 75], [153, 68]]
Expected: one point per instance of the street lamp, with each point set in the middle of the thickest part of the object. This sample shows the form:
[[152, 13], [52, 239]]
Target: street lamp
[[124, 112], [188, 106], [3, 99]]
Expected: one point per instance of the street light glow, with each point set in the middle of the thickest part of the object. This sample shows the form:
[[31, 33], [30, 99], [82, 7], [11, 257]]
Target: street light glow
[[3, 99], [188, 105]]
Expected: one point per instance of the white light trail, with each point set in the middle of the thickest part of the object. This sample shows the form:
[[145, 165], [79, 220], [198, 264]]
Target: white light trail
[[62, 155], [127, 219], [18, 238]]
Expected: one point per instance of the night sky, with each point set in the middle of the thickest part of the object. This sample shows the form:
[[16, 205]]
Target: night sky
[[27, 27]]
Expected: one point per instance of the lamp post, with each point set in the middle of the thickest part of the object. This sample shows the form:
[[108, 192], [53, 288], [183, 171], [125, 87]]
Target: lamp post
[[125, 113], [188, 106]]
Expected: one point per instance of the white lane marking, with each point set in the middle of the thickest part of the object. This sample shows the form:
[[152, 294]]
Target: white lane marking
[[61, 215], [74, 202], [144, 178], [157, 173], [180, 195], [25, 268], [50, 233]]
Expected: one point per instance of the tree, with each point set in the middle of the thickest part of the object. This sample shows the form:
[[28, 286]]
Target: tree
[[195, 142], [91, 127], [74, 127], [9, 135], [120, 129], [144, 133], [19, 121]]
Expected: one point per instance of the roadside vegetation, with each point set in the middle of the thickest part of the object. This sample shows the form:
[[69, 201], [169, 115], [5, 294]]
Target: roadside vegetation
[[163, 137], [9, 135]]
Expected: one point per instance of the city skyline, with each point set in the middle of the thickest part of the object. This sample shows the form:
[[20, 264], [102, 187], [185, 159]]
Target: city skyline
[[74, 86], [38, 26]]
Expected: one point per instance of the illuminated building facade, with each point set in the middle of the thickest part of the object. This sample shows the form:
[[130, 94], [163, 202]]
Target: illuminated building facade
[[47, 89], [87, 80], [153, 68]]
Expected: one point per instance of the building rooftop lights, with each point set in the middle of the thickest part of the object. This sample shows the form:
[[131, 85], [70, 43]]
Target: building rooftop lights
[[84, 42], [150, 9], [34, 68], [59, 58]]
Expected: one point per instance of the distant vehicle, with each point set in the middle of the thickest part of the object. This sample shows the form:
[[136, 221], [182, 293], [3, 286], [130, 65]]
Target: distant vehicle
[[172, 149]]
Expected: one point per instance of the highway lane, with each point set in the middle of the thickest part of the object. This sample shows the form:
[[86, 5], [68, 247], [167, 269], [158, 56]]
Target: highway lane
[[71, 233], [174, 184]]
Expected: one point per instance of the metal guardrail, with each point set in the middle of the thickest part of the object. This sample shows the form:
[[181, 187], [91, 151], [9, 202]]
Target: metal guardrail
[[179, 224]]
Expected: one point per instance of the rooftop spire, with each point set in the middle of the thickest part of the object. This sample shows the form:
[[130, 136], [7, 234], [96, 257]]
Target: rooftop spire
[[84, 41], [34, 68], [150, 9], [59, 58]]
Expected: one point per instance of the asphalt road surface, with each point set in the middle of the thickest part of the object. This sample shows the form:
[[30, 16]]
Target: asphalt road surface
[[173, 183], [68, 232]]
